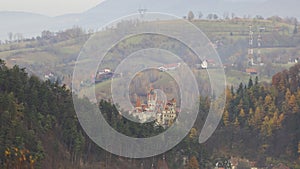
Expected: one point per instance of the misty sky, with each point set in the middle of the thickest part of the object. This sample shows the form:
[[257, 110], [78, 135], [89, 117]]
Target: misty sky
[[60, 7], [48, 7]]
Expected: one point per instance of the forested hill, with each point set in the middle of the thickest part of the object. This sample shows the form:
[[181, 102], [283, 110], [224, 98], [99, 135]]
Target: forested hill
[[39, 128], [261, 121]]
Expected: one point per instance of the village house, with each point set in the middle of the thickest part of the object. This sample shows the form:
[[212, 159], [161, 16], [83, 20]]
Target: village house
[[168, 67], [251, 71], [208, 63]]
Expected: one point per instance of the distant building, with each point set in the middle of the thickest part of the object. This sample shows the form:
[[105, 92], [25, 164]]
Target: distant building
[[50, 76], [107, 70], [168, 67], [105, 74], [167, 116], [251, 71], [204, 64], [208, 63], [292, 61], [164, 113]]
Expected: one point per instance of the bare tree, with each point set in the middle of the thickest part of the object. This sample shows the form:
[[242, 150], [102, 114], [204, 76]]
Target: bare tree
[[18, 37], [200, 15], [226, 15], [210, 16], [215, 17], [191, 16], [232, 15]]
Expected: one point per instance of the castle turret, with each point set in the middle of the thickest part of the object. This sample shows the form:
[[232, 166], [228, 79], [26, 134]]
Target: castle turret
[[152, 99]]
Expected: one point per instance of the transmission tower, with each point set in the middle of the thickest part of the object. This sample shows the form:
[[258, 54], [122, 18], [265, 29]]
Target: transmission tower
[[259, 44], [250, 47], [142, 11]]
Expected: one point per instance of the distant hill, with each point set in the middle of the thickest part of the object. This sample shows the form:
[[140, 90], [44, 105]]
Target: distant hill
[[22, 22], [33, 24]]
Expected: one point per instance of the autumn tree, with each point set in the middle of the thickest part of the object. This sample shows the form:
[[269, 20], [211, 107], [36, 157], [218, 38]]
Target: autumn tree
[[299, 149], [193, 133], [292, 105], [266, 127], [256, 119], [236, 122], [193, 163], [226, 118]]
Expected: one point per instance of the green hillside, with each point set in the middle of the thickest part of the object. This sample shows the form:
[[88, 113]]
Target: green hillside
[[57, 52]]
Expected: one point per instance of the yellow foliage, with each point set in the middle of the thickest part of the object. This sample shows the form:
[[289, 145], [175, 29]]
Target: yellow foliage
[[288, 95], [292, 104], [299, 147], [7, 153], [193, 133], [281, 118], [268, 100], [267, 126], [236, 122], [242, 113], [20, 158], [226, 118], [228, 93], [251, 111]]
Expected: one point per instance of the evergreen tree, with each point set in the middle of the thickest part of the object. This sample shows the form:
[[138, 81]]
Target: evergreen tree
[[250, 83]]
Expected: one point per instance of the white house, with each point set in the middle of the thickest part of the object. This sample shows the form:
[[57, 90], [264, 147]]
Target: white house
[[204, 64]]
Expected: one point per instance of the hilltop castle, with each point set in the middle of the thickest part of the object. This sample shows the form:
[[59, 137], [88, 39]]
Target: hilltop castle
[[164, 113]]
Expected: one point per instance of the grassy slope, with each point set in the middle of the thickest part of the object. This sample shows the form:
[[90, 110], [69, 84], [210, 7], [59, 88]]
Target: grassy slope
[[59, 57]]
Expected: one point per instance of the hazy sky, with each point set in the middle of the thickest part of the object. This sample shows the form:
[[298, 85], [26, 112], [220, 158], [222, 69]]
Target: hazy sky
[[59, 7], [48, 7]]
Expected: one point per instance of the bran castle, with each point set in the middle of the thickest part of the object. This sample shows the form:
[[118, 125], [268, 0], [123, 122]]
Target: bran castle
[[164, 113]]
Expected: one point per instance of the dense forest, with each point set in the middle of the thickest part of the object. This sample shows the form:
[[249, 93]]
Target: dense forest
[[261, 121], [39, 127], [36, 117]]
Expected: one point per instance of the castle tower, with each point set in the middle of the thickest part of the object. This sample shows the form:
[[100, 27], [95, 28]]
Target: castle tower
[[138, 102], [152, 99], [138, 105]]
